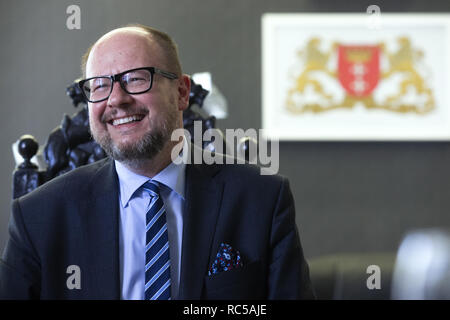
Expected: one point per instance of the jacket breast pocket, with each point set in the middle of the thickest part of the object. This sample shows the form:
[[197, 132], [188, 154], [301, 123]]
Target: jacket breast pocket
[[247, 282]]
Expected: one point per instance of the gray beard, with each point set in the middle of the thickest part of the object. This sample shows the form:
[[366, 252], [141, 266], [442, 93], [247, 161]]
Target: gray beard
[[134, 155]]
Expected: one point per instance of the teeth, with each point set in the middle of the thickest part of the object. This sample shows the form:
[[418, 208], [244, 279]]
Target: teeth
[[126, 120]]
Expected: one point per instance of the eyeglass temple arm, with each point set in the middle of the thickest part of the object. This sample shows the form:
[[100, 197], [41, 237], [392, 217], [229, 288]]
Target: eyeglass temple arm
[[166, 74]]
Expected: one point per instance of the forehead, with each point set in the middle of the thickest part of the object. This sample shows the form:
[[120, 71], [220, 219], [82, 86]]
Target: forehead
[[122, 50]]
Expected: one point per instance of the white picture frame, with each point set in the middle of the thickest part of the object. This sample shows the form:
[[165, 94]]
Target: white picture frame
[[305, 88]]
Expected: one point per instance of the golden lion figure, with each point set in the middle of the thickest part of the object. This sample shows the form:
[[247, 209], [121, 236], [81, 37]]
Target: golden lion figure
[[403, 61]]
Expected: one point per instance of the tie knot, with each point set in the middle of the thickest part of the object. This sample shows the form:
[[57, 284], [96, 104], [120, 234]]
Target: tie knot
[[152, 187]]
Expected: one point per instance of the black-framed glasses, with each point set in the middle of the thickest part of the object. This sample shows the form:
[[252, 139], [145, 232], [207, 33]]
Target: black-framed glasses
[[134, 81]]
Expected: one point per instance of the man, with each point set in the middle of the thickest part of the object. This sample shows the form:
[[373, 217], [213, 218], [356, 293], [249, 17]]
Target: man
[[139, 226]]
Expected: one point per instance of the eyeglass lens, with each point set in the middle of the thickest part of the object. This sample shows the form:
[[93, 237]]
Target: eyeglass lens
[[99, 88]]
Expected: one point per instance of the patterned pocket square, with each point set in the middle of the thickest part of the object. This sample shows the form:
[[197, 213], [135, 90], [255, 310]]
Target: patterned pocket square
[[227, 258]]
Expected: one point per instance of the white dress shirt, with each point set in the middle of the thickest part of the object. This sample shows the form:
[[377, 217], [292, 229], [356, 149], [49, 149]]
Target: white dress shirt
[[133, 208]]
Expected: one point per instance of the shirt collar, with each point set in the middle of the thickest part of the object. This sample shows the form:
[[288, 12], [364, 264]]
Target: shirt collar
[[172, 176]]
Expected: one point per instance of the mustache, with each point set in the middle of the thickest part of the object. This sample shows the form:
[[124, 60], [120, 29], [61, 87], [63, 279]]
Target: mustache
[[107, 117]]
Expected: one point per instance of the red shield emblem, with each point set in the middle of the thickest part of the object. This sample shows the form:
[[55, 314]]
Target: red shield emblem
[[359, 69]]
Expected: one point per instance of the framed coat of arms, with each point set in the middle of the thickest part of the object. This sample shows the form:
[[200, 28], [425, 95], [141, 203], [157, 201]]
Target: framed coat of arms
[[339, 77]]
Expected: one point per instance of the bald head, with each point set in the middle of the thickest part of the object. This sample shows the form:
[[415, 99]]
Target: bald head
[[155, 39]]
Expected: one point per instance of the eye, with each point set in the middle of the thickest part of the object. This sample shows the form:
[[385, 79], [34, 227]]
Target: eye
[[135, 80], [100, 85]]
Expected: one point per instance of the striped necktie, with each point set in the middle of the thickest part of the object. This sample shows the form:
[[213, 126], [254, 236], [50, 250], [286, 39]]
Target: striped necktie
[[157, 259]]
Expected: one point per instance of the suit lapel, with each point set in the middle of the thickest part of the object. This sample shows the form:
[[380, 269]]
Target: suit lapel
[[203, 200], [101, 231]]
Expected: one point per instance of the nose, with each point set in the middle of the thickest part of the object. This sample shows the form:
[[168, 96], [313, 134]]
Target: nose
[[119, 97]]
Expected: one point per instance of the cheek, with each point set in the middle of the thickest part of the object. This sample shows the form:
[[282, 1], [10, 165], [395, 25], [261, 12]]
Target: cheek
[[159, 106], [95, 112], [92, 124], [94, 118]]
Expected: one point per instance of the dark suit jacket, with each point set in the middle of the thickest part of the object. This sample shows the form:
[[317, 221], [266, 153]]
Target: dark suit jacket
[[74, 220]]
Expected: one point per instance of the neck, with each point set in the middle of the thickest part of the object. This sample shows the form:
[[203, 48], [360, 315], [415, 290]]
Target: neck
[[151, 167]]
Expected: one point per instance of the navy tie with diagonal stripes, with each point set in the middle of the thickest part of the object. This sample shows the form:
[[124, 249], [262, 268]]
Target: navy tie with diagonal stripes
[[157, 259]]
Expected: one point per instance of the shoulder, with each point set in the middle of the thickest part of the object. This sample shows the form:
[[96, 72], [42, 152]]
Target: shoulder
[[248, 173], [69, 184], [244, 177], [223, 166]]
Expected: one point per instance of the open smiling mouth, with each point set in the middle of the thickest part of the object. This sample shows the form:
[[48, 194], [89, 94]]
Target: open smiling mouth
[[125, 120]]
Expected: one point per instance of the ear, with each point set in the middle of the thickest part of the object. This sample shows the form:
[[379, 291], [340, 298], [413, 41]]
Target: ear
[[184, 90]]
